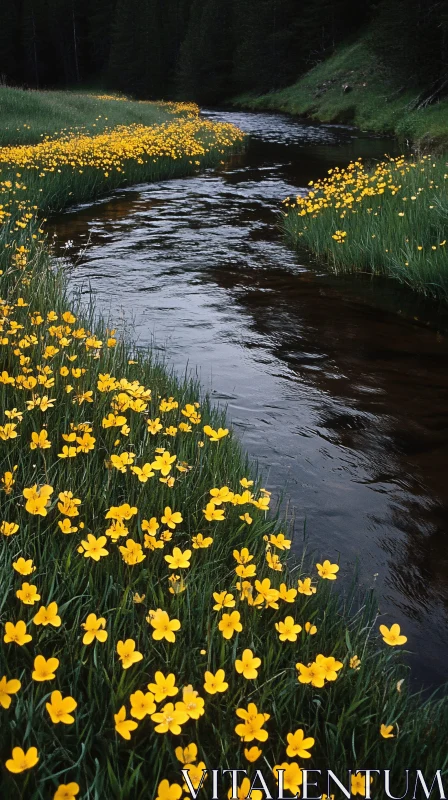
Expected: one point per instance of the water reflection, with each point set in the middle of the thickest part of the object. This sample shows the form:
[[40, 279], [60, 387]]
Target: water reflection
[[335, 388]]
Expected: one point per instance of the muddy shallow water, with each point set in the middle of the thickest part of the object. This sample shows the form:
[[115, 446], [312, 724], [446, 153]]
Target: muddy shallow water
[[338, 386]]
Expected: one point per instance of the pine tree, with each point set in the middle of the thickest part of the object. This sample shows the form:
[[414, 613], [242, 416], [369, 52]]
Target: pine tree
[[10, 61]]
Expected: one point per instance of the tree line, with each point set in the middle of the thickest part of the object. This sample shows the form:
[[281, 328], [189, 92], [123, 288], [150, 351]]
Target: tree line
[[209, 50]]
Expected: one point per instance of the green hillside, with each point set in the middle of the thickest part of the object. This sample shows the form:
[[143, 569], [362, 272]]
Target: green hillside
[[353, 86]]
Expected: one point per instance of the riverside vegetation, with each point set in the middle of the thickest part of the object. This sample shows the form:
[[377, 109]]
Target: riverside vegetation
[[390, 220], [150, 618]]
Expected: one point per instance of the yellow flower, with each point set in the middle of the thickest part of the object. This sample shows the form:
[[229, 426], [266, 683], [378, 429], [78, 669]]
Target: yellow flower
[[151, 526], [211, 513], [113, 421], [392, 635], [66, 791], [246, 518], [60, 708], [124, 726], [168, 791], [215, 682], [142, 704], [288, 629], [163, 687], [66, 526], [252, 726], [125, 511], [22, 761], [38, 499], [287, 595], [163, 463], [330, 666], [313, 673], [229, 624], [7, 688], [123, 461], [386, 731], [143, 473], [358, 784], [201, 542], [171, 518], [8, 528], [94, 629], [280, 541], [48, 615], [298, 745], [40, 441], [292, 776], [195, 774], [93, 547], [274, 562], [327, 570], [16, 633], [223, 600], [44, 669], [170, 718], [222, 495], [8, 480], [266, 593], [127, 653], [163, 627], [310, 628], [213, 435], [242, 556], [178, 559], [355, 662], [188, 754], [68, 452], [68, 504], [193, 704], [252, 753], [28, 594], [85, 443], [154, 425], [24, 566], [132, 554], [248, 665]]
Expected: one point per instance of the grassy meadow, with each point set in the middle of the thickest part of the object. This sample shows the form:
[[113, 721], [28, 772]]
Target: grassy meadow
[[391, 219], [151, 619], [30, 116]]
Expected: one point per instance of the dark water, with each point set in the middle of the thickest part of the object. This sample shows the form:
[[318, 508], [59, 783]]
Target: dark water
[[339, 387]]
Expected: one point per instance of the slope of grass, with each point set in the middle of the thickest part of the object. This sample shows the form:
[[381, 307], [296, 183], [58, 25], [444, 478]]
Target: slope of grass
[[29, 116], [352, 87]]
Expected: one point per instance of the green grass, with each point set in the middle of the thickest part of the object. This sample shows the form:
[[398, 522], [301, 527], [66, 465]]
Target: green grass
[[343, 717], [374, 101], [28, 116], [393, 219]]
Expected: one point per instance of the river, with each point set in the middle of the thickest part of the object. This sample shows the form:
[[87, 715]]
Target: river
[[337, 386]]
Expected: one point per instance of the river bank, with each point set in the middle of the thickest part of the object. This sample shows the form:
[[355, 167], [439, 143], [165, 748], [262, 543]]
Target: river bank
[[129, 504], [352, 87], [390, 220]]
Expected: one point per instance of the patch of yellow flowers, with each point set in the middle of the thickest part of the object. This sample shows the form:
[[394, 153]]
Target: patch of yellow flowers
[[389, 218], [41, 351], [113, 149]]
